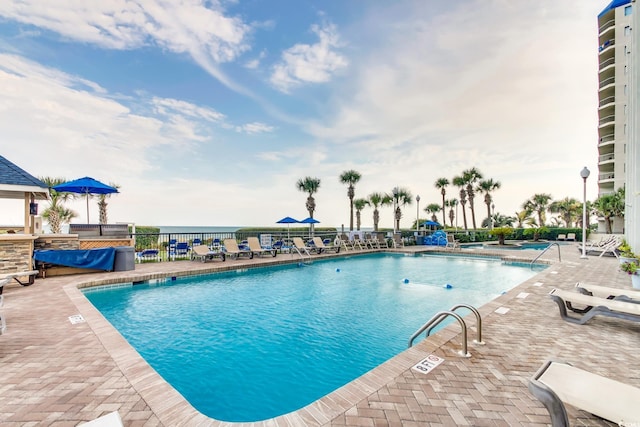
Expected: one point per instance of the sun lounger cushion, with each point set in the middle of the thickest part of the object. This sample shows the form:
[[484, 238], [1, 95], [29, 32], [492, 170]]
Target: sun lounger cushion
[[557, 383], [594, 306]]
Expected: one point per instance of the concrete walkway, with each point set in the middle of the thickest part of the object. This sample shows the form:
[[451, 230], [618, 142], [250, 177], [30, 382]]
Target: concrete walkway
[[54, 372]]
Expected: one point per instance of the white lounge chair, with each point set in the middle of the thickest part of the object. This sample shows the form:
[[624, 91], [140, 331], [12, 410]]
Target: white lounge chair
[[233, 250], [321, 247], [30, 274], [558, 383], [204, 254], [257, 249], [302, 247], [593, 306], [609, 293], [397, 241]]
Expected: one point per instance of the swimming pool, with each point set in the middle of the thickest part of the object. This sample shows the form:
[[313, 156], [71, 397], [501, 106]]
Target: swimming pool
[[253, 344]]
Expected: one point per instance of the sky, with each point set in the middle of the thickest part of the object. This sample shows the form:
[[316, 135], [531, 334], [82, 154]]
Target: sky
[[207, 112]]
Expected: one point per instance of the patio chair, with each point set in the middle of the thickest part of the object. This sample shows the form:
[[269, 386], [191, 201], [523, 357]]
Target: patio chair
[[30, 275], [382, 241], [558, 383], [593, 306], [301, 246], [181, 250], [147, 255], [346, 243], [571, 237], [397, 241], [609, 293], [608, 246], [257, 249], [561, 237], [451, 242], [233, 250], [358, 242], [203, 253], [320, 246]]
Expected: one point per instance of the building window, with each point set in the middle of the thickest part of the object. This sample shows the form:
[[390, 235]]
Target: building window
[[627, 10]]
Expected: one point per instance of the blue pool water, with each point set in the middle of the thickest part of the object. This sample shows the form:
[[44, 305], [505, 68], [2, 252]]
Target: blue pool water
[[254, 344]]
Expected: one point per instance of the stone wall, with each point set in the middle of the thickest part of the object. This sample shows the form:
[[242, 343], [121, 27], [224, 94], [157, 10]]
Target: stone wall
[[57, 241], [15, 255]]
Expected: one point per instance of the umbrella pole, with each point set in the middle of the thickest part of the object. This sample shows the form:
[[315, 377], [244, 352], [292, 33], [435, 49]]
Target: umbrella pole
[[87, 208]]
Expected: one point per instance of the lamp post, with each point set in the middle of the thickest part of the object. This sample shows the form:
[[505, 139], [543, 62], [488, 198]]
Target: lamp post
[[584, 173], [417, 214], [395, 202]]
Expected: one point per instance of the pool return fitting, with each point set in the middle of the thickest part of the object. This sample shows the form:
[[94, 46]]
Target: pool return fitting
[[441, 315]]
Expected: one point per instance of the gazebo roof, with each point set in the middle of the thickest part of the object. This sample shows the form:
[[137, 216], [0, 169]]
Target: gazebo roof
[[15, 182]]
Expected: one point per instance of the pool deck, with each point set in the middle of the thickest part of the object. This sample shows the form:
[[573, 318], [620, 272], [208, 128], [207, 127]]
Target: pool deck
[[54, 372]]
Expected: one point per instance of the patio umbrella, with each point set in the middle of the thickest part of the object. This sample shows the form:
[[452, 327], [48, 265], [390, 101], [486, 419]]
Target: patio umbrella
[[288, 220], [85, 186], [310, 221]]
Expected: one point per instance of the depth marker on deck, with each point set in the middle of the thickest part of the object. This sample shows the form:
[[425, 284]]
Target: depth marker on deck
[[76, 318], [427, 364]]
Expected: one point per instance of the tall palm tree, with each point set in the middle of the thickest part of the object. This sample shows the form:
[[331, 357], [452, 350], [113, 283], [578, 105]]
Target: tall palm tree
[[401, 197], [569, 209], [538, 203], [378, 200], [359, 204], [487, 186], [433, 209], [451, 204], [441, 184], [350, 177], [102, 203], [471, 176], [309, 185], [459, 182], [56, 214]]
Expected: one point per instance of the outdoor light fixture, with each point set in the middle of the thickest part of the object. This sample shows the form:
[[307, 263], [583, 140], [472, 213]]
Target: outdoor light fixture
[[584, 173], [417, 213]]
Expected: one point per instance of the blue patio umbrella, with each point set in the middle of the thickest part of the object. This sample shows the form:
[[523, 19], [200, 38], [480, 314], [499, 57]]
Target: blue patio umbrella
[[431, 223], [85, 186], [310, 221], [288, 220]]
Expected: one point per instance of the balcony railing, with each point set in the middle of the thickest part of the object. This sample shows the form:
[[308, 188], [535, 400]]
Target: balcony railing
[[607, 119], [607, 138], [606, 82], [606, 175], [607, 100], [606, 157], [607, 62], [606, 44], [606, 26]]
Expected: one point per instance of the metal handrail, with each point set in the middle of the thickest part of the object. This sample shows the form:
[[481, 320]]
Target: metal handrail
[[478, 320], [300, 253], [436, 319], [545, 250]]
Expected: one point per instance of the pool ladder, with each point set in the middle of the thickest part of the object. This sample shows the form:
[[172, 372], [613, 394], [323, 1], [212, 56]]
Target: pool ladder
[[441, 315], [545, 250]]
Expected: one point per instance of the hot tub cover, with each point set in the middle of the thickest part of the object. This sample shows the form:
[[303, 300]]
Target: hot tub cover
[[97, 259]]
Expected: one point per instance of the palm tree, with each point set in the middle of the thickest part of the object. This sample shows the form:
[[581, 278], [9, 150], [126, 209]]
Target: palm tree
[[451, 204], [102, 203], [433, 209], [522, 217], [458, 181], [56, 214], [609, 206], [401, 197], [569, 209], [376, 200], [350, 177], [487, 186], [309, 185], [441, 184], [471, 176], [359, 204], [538, 203]]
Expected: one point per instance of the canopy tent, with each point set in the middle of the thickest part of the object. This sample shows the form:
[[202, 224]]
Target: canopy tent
[[17, 184]]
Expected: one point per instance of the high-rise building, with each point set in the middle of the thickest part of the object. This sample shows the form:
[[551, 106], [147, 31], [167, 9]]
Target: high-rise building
[[632, 182], [614, 92]]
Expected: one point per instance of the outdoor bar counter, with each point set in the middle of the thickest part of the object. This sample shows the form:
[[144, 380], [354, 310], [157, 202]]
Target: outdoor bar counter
[[16, 251]]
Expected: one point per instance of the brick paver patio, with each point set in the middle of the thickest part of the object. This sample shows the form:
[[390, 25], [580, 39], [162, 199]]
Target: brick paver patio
[[55, 373]]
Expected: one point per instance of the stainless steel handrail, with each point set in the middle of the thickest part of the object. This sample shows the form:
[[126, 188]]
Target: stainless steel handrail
[[545, 250], [435, 320]]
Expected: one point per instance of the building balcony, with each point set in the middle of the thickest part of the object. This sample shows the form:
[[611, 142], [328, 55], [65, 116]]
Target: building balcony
[[608, 101], [607, 82], [606, 176], [609, 62], [606, 45], [606, 158], [608, 120], [606, 140], [606, 27]]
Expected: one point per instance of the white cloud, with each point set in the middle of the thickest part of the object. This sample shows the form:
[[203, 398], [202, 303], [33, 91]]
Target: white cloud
[[305, 63], [254, 128]]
